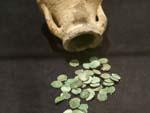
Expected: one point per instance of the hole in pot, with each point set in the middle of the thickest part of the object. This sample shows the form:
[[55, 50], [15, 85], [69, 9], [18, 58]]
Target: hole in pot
[[96, 18], [56, 20], [82, 41]]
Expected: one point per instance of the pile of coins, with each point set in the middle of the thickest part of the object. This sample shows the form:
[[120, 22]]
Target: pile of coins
[[93, 80]]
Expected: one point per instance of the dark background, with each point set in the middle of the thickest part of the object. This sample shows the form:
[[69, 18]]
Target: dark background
[[30, 58]]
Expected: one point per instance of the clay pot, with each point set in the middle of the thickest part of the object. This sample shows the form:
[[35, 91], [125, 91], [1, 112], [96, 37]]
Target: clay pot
[[78, 23]]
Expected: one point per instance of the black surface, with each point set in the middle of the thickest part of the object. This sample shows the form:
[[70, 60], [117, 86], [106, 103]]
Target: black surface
[[29, 61]]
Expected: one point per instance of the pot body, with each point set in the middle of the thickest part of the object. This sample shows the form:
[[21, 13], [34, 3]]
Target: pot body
[[78, 23]]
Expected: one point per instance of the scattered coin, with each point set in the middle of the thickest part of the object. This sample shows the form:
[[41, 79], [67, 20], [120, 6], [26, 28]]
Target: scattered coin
[[108, 81], [84, 94], [103, 60], [59, 99], [89, 80], [111, 90], [102, 96], [56, 84], [108, 84], [83, 76], [62, 77], [115, 77], [94, 64], [97, 72], [77, 111], [84, 108], [76, 83], [95, 80], [76, 91], [86, 65], [68, 111], [95, 85], [106, 67], [77, 72], [89, 72], [91, 94], [65, 95], [74, 103], [74, 63], [65, 88], [105, 75]]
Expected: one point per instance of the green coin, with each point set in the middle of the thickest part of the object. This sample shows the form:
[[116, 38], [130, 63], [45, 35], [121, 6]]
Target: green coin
[[84, 108], [76, 83], [74, 63], [105, 75], [84, 85], [102, 96], [106, 67], [97, 72], [84, 94], [89, 72], [89, 80], [86, 65], [77, 111], [91, 94], [68, 111], [76, 91], [95, 85], [69, 81], [59, 99], [74, 103], [108, 81], [94, 64], [98, 88], [56, 84], [103, 60], [93, 58], [83, 76], [115, 77], [103, 90], [95, 80], [65, 88], [77, 72], [108, 84], [62, 77], [66, 95], [111, 90]]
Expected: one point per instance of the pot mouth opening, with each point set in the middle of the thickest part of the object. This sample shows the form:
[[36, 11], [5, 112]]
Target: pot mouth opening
[[82, 41]]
